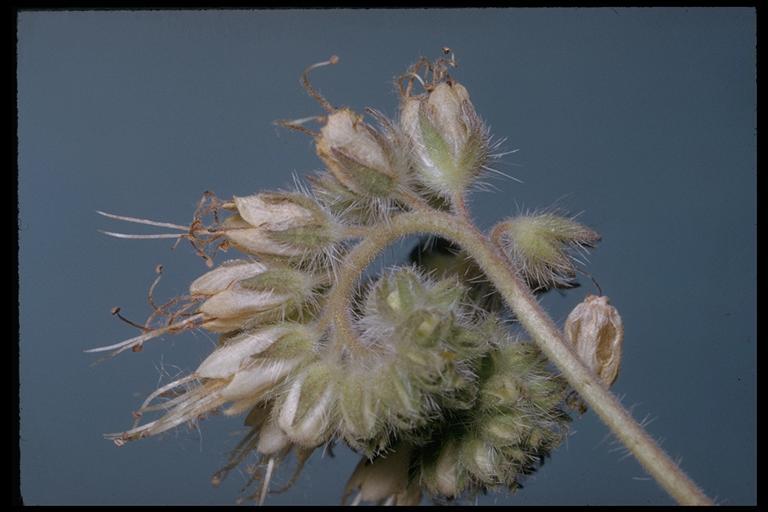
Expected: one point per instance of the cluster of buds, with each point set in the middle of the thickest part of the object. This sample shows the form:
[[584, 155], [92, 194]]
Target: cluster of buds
[[424, 379]]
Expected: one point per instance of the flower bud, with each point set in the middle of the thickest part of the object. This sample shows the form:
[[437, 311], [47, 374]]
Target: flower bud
[[482, 460], [516, 376], [254, 362], [221, 278], [505, 429], [449, 140], [239, 351], [271, 292], [307, 408], [280, 224], [360, 410], [396, 297], [443, 476], [538, 245], [236, 353], [383, 477], [400, 398], [361, 158], [257, 379], [595, 329]]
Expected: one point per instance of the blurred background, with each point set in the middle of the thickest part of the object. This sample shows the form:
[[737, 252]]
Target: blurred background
[[641, 119]]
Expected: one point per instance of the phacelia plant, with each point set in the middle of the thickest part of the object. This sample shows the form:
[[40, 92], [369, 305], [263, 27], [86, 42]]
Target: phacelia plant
[[444, 373]]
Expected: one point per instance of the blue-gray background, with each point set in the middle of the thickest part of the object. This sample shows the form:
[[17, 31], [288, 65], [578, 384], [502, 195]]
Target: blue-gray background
[[642, 118]]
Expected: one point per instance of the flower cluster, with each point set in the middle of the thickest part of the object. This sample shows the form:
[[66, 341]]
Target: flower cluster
[[417, 369]]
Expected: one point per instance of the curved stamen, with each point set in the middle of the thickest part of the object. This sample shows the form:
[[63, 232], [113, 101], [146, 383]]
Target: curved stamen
[[314, 92]]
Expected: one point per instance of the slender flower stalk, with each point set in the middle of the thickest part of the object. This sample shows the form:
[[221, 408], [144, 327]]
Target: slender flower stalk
[[416, 369]]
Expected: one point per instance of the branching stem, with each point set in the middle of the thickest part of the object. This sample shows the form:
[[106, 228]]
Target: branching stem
[[533, 318]]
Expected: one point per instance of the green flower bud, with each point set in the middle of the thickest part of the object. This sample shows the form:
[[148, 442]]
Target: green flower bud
[[445, 475], [538, 246], [516, 375], [401, 400], [443, 259], [360, 409], [308, 408], [505, 429], [482, 461], [397, 296], [450, 142]]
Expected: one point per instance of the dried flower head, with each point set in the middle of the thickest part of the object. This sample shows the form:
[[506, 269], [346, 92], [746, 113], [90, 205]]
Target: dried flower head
[[417, 370]]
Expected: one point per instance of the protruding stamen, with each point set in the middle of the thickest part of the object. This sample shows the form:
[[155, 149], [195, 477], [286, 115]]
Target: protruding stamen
[[138, 340], [311, 90], [116, 312], [265, 482], [161, 390], [142, 237], [150, 293], [298, 124], [143, 221]]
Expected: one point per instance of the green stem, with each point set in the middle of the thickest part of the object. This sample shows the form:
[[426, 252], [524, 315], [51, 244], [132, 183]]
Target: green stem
[[533, 318]]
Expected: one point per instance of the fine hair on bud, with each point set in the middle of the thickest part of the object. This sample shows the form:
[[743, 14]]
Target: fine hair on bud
[[542, 247]]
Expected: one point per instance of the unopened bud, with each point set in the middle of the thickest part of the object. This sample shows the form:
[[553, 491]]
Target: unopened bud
[[402, 400], [257, 379], [361, 158], [221, 278], [281, 224], [307, 407], [273, 290], [359, 408], [404, 291], [481, 459], [595, 329], [239, 351], [449, 140], [538, 246], [236, 352], [443, 476]]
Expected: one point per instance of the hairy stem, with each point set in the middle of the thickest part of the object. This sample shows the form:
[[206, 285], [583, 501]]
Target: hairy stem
[[533, 318]]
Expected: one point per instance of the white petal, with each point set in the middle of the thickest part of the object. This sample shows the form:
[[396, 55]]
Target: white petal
[[291, 405], [273, 216], [222, 277], [232, 303], [255, 241], [272, 439], [256, 379], [311, 429], [228, 359]]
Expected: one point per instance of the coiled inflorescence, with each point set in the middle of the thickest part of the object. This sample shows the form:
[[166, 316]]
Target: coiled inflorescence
[[417, 370]]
